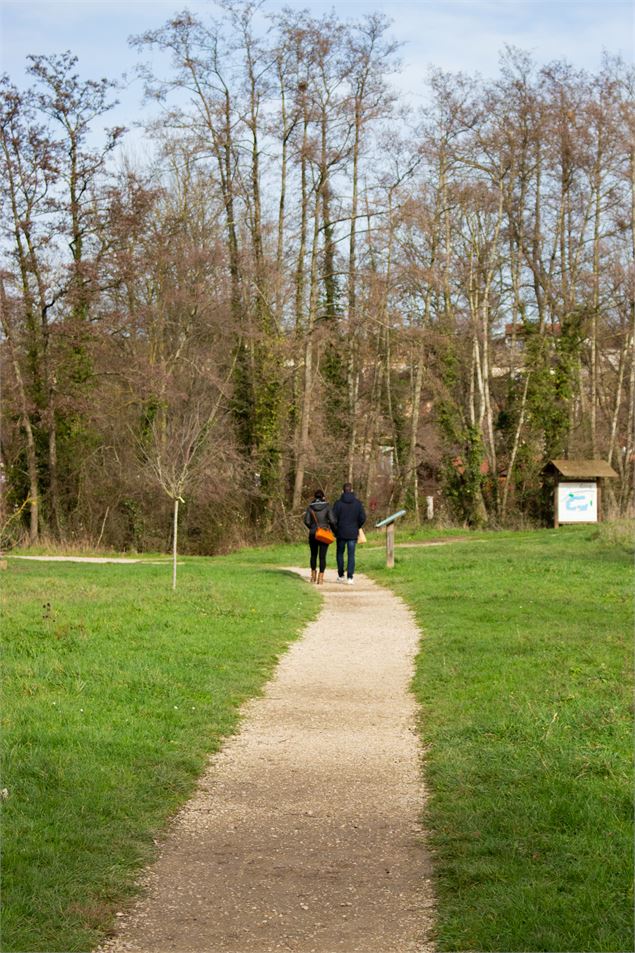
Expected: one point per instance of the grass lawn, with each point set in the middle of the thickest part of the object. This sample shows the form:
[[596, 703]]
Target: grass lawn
[[115, 691], [525, 684]]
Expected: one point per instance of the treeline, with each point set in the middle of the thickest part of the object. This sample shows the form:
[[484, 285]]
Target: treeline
[[306, 282]]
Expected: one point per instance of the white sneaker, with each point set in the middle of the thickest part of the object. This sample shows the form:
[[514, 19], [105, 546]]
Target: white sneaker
[[349, 581], [340, 579]]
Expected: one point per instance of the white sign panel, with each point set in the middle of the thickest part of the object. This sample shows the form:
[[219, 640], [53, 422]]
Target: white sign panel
[[577, 503]]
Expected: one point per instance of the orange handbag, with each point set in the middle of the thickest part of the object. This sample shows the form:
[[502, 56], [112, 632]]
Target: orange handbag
[[322, 535]]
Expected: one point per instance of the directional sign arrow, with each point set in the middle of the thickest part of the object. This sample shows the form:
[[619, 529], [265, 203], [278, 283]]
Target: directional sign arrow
[[391, 519]]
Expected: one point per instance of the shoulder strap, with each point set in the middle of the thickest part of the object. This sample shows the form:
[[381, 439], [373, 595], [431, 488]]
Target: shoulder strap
[[311, 511]]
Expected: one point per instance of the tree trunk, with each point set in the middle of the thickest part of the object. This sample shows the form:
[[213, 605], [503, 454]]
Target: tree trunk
[[414, 428], [307, 391], [31, 456], [286, 132], [626, 491], [512, 458]]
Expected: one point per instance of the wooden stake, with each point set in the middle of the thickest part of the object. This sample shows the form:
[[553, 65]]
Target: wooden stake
[[390, 546], [174, 541]]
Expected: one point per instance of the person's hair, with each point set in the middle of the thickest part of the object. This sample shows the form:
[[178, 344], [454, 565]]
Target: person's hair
[[348, 487], [318, 495]]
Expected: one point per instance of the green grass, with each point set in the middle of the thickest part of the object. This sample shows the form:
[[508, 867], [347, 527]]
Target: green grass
[[115, 691], [525, 684]]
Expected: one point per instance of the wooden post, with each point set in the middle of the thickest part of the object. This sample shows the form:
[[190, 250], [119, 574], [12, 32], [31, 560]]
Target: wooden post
[[174, 541], [556, 523], [389, 523], [390, 546]]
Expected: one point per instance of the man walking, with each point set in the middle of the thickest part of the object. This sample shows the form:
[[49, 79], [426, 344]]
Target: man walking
[[350, 516]]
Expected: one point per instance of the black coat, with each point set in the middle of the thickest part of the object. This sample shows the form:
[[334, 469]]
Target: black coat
[[323, 516], [349, 515]]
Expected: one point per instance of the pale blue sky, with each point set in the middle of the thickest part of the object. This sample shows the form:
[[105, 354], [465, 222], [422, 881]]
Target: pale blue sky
[[452, 34]]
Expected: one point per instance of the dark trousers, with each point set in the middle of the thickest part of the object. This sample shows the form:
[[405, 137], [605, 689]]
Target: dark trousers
[[316, 548], [348, 544]]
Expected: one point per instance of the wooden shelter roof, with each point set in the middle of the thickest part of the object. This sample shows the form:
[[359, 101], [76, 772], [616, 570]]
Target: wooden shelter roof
[[583, 469]]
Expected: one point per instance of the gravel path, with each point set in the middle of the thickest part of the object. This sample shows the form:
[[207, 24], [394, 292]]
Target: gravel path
[[304, 832], [95, 559]]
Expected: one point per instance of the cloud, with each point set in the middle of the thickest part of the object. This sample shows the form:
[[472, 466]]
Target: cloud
[[469, 36], [455, 35]]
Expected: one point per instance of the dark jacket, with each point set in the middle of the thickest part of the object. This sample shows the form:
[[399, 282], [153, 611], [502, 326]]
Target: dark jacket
[[349, 516], [323, 515]]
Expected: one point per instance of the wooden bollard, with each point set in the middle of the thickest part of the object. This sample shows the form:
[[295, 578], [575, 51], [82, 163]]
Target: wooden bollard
[[390, 546], [389, 523]]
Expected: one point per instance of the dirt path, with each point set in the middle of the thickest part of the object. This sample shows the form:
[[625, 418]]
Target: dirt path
[[95, 559], [303, 835]]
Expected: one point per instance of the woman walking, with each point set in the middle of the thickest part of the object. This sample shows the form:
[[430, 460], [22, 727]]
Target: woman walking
[[319, 520]]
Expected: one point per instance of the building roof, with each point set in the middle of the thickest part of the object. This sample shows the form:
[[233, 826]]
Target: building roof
[[583, 469]]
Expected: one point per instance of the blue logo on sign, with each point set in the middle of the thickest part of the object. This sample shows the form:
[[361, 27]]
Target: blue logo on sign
[[577, 502]]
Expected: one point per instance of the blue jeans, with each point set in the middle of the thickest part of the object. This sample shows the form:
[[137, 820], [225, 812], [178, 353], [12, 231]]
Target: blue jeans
[[348, 544]]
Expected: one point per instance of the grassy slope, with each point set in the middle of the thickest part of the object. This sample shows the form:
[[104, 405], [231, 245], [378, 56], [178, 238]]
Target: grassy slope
[[115, 691], [525, 683]]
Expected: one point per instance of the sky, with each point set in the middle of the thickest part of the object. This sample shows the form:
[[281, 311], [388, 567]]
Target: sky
[[465, 35]]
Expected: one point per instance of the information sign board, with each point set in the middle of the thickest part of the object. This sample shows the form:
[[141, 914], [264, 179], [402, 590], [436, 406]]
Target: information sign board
[[577, 503]]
